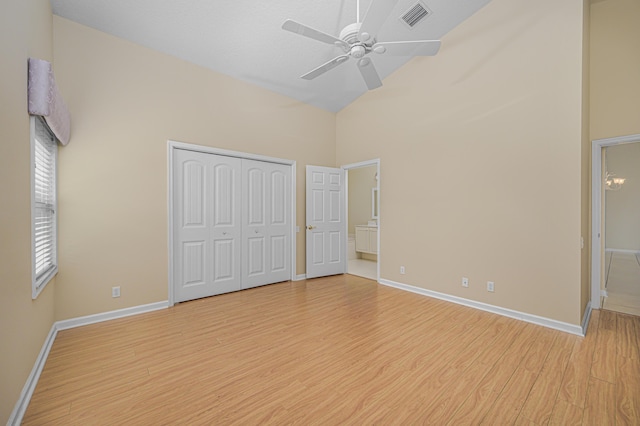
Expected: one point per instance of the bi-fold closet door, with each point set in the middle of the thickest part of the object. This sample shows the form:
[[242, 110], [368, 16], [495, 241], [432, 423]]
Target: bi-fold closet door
[[232, 224]]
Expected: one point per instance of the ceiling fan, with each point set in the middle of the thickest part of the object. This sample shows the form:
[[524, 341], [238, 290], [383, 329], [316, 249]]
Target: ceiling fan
[[359, 39]]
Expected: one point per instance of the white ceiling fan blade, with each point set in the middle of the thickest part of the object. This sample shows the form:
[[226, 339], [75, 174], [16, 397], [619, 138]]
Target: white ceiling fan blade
[[325, 67], [378, 12], [407, 48], [298, 28], [369, 73]]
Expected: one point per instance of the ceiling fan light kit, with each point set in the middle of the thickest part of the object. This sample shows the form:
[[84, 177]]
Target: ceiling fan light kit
[[358, 40]]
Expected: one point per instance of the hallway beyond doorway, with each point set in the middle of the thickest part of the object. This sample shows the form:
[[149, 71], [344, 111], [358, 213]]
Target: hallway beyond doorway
[[622, 282]]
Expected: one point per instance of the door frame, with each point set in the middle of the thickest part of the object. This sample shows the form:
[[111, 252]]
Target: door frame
[[346, 168], [172, 146], [597, 206]]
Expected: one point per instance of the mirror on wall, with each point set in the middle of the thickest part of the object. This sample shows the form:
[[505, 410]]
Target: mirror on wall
[[374, 203]]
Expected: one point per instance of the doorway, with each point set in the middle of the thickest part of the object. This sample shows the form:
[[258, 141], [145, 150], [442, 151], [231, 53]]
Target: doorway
[[622, 228], [363, 224], [615, 250]]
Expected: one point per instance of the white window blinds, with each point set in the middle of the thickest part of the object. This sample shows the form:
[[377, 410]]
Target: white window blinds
[[44, 205]]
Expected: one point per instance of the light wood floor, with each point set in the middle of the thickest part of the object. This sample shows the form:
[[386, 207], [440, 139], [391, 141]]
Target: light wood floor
[[338, 350]]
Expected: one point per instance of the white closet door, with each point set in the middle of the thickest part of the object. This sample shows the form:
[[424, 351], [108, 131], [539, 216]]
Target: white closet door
[[207, 225], [266, 219]]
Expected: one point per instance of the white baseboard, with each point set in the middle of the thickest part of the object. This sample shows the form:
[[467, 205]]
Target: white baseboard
[[300, 277], [615, 250], [27, 391], [534, 319], [106, 316]]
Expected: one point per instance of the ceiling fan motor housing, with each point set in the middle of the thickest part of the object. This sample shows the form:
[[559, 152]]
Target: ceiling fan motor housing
[[349, 34]]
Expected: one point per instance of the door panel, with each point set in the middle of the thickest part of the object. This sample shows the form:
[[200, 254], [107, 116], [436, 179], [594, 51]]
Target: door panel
[[206, 233], [256, 255], [224, 251], [255, 194], [278, 253], [278, 196], [317, 252], [225, 193], [317, 206], [266, 223], [334, 254], [326, 235], [193, 261], [194, 197]]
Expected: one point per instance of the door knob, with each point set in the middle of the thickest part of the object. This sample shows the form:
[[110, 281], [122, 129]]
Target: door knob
[[310, 227]]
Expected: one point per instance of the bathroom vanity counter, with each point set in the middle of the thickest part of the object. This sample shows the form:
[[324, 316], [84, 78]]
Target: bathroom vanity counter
[[367, 239]]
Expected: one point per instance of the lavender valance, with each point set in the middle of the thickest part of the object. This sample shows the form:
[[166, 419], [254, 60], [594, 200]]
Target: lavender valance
[[45, 100]]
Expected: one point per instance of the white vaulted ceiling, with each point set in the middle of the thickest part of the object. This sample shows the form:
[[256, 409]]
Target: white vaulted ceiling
[[244, 38]]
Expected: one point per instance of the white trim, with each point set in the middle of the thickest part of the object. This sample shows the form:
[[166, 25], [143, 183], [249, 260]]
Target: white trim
[[110, 315], [360, 164], [300, 277], [609, 250], [27, 391], [170, 151], [30, 385], [585, 318], [596, 206], [228, 153], [347, 167], [172, 146], [534, 319], [294, 220], [603, 293]]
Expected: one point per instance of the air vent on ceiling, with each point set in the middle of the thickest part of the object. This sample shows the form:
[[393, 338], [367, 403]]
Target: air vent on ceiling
[[415, 14]]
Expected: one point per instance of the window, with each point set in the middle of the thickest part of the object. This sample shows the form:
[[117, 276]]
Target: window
[[43, 205]]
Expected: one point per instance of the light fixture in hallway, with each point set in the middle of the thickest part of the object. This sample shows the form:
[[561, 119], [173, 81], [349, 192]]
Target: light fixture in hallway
[[612, 182]]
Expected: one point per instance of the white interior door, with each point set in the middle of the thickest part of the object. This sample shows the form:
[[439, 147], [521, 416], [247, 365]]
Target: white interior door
[[326, 222], [266, 223], [207, 226]]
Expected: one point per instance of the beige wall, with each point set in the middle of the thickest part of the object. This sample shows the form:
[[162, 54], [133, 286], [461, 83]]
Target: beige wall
[[585, 194], [127, 101], [623, 206], [361, 181], [615, 67], [25, 30], [480, 149]]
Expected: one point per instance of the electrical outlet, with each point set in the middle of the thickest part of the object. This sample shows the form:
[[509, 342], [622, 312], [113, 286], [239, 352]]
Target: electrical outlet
[[115, 291], [402, 269], [490, 286], [465, 282]]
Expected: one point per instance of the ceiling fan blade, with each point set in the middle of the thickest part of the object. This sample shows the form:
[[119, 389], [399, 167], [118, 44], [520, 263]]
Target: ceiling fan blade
[[298, 28], [325, 67], [369, 73], [378, 12], [407, 48]]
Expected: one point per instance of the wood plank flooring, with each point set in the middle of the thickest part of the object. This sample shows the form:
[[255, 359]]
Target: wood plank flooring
[[338, 350]]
